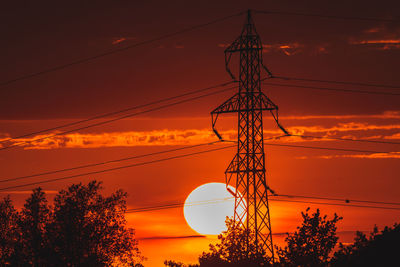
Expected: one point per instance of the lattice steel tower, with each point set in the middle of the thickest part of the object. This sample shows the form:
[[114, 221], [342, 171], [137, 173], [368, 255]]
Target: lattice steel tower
[[247, 169]]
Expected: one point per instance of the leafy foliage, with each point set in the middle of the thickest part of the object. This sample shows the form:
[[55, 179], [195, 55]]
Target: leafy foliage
[[379, 249], [9, 234], [170, 263], [232, 250], [33, 243], [83, 228], [311, 244]]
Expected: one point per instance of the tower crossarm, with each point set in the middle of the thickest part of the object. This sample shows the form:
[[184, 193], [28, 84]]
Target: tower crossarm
[[229, 106], [231, 170], [273, 109], [237, 103]]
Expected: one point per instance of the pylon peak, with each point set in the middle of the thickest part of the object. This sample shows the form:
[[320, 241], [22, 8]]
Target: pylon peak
[[249, 28]]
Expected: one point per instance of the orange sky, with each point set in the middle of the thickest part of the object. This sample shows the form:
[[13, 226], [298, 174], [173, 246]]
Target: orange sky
[[45, 35]]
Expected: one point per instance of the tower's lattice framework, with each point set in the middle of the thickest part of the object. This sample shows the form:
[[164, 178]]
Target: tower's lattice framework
[[247, 169]]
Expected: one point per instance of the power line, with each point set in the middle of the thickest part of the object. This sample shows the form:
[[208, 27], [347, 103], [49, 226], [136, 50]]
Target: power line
[[181, 204], [152, 208], [338, 82], [344, 139], [119, 111], [114, 169], [208, 88], [162, 152], [337, 204], [205, 89], [109, 161], [118, 118], [177, 205], [333, 89], [272, 12], [339, 199], [161, 101], [331, 148], [320, 147], [104, 162], [87, 59]]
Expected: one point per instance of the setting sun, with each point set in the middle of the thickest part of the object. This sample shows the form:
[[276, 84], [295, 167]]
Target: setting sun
[[207, 207]]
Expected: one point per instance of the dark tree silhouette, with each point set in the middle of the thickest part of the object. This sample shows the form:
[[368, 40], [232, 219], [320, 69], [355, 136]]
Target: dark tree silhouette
[[311, 244], [83, 228], [379, 249], [32, 222], [232, 251], [170, 263], [9, 234]]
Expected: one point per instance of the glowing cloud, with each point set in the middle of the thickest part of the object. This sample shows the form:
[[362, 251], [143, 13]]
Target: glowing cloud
[[117, 41], [382, 44], [122, 139], [378, 126], [392, 155]]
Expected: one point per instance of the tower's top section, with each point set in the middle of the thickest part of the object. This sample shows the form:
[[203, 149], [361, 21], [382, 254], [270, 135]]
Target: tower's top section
[[248, 39], [248, 43], [249, 28]]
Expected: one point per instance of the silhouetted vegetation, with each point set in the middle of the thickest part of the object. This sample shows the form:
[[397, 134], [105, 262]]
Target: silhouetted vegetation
[[178, 264], [379, 249], [311, 243], [82, 228], [231, 249]]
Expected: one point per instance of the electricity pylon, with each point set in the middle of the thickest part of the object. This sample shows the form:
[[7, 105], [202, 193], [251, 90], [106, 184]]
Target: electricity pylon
[[247, 169]]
